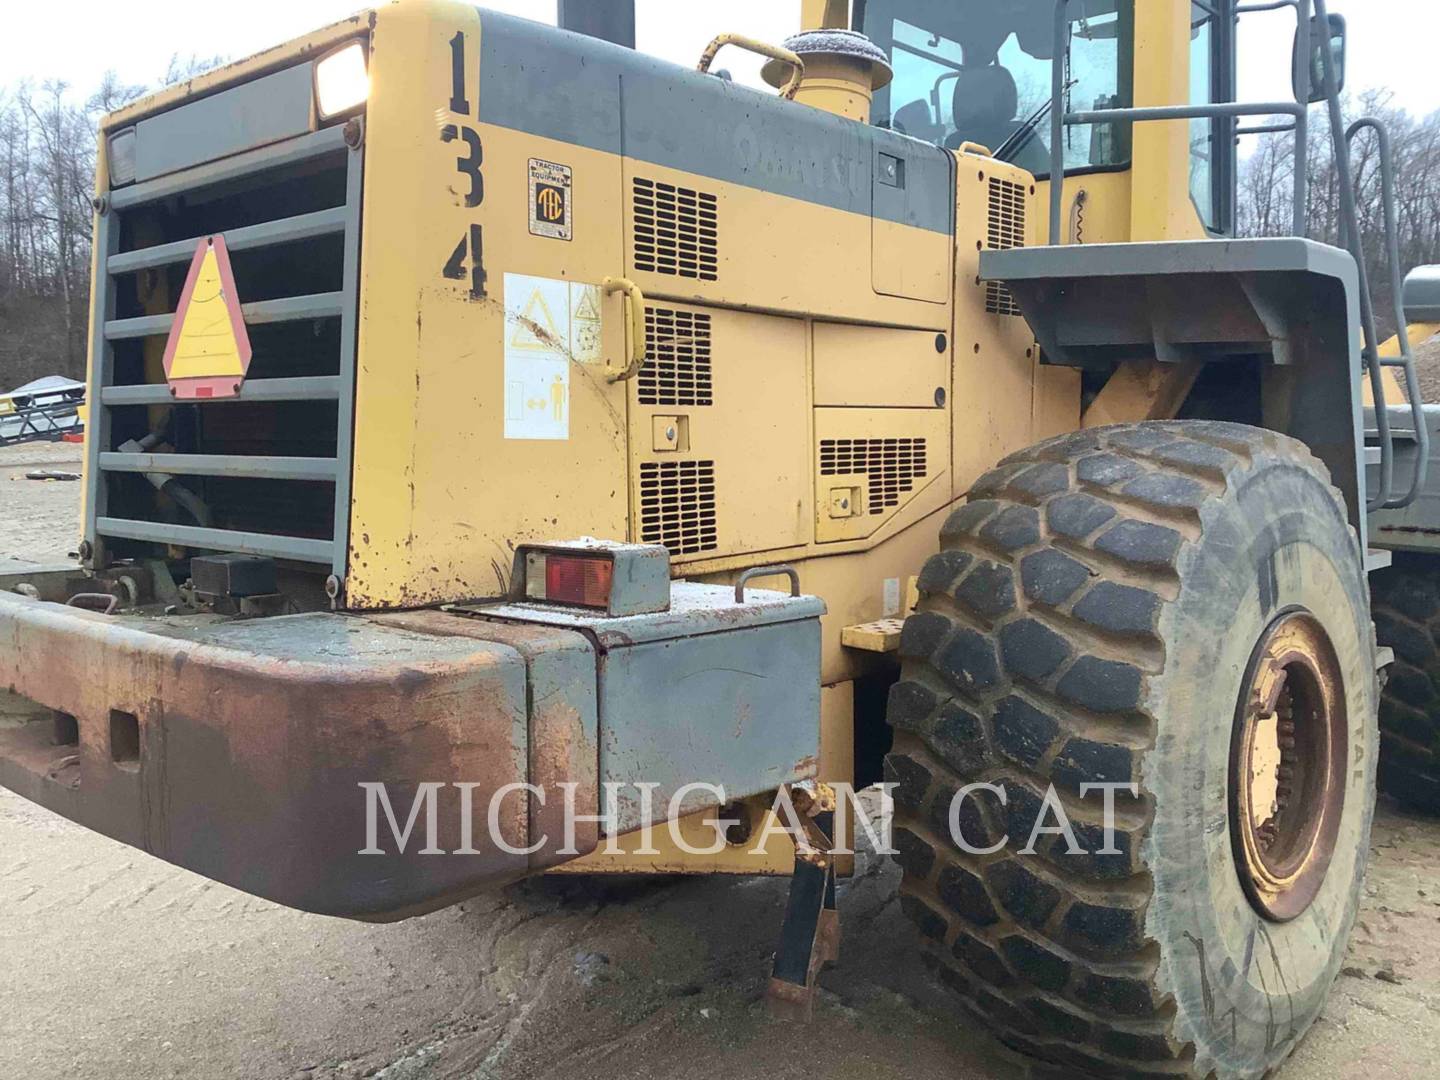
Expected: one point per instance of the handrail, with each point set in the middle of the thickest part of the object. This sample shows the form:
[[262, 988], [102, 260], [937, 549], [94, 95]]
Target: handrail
[[1350, 224], [764, 48], [1406, 360], [1350, 238]]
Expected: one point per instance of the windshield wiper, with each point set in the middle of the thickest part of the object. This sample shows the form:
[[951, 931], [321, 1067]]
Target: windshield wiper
[[1026, 131]]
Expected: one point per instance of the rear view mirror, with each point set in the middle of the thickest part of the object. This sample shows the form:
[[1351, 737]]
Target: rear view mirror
[[1422, 295], [1321, 38]]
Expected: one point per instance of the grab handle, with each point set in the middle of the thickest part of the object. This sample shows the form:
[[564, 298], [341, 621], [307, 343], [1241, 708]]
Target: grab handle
[[637, 325], [766, 571], [774, 52]]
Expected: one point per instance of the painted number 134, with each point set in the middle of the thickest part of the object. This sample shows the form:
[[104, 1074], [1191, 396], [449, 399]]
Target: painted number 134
[[468, 164]]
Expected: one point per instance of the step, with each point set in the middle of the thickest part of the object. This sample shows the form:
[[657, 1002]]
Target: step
[[881, 636], [1378, 559]]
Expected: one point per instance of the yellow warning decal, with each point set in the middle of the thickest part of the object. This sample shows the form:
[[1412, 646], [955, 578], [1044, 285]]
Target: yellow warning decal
[[551, 324], [208, 351], [535, 327]]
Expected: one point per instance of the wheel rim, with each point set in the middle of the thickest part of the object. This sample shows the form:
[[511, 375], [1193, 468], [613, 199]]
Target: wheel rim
[[1287, 766]]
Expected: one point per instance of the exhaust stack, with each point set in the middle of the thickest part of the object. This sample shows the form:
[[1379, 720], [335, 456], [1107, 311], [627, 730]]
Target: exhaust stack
[[608, 20]]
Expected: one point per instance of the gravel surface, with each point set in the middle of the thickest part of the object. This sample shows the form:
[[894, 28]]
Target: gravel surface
[[39, 519], [113, 963]]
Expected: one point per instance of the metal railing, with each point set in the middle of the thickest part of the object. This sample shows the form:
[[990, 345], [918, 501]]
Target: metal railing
[[1350, 238], [39, 415], [1374, 361]]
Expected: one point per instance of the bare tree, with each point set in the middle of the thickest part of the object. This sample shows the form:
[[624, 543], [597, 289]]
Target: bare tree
[[47, 152], [1266, 186]]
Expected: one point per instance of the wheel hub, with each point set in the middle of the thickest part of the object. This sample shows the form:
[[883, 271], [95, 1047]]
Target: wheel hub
[[1287, 766]]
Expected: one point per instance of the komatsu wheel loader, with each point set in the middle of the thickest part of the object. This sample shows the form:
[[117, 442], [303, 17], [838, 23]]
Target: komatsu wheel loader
[[454, 378]]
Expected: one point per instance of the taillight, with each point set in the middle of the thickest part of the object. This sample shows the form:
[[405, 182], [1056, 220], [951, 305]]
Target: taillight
[[617, 579], [581, 580]]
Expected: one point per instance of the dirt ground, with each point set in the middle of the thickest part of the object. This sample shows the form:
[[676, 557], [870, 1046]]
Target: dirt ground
[[113, 963]]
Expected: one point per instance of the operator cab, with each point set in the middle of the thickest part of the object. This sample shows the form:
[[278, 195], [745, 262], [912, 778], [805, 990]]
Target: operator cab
[[979, 71]]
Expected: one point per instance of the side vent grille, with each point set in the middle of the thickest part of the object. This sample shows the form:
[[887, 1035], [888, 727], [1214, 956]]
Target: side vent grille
[[891, 466], [677, 365], [677, 230], [1006, 231], [677, 505]]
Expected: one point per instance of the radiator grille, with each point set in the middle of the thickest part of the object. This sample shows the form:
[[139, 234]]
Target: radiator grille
[[677, 505], [1006, 231], [677, 364], [891, 466], [269, 472], [676, 230]]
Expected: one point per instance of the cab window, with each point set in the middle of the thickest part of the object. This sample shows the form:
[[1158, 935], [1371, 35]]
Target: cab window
[[1211, 141], [980, 71]]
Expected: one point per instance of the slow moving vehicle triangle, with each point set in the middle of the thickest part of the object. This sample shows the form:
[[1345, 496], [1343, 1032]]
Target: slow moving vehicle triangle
[[208, 352]]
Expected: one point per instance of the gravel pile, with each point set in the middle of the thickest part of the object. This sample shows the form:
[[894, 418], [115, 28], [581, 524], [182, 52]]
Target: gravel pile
[[1427, 363]]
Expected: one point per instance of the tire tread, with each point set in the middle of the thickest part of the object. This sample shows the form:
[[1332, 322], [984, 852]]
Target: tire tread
[[1052, 951], [1406, 602]]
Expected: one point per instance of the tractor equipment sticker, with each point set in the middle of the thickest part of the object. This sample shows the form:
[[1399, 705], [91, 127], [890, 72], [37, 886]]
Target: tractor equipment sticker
[[550, 200], [549, 325]]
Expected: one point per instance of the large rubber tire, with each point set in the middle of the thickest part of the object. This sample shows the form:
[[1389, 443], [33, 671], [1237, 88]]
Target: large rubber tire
[[1090, 618], [1406, 600]]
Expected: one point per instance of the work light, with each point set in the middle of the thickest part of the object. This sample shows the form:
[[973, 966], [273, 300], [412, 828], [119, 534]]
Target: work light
[[341, 81], [121, 154]]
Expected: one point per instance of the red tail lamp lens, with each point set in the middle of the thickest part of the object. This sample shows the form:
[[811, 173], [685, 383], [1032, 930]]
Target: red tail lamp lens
[[582, 581]]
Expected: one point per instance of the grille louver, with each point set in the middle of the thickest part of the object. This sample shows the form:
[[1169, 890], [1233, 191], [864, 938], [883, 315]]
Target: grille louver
[[677, 230], [677, 366], [1006, 231], [891, 466], [677, 505]]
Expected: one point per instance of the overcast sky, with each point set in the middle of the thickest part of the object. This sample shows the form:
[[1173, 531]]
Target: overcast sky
[[1392, 42]]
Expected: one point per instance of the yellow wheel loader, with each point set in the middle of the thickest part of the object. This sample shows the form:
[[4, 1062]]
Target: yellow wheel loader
[[510, 453]]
